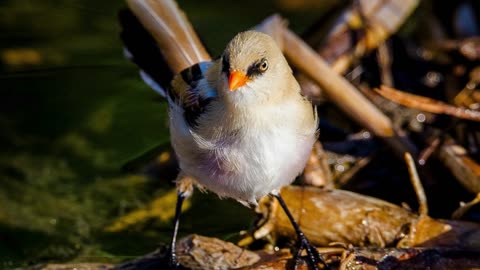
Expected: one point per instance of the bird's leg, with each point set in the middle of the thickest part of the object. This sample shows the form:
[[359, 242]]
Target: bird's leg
[[185, 189], [172, 260], [313, 257]]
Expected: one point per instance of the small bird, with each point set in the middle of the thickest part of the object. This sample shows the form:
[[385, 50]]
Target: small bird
[[239, 125]]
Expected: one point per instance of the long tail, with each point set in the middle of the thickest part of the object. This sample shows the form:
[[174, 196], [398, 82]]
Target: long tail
[[160, 40]]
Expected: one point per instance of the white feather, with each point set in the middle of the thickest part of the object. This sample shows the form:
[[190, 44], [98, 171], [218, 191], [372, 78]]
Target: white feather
[[150, 82]]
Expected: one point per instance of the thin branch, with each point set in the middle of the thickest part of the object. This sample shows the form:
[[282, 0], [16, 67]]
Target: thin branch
[[427, 104], [417, 185]]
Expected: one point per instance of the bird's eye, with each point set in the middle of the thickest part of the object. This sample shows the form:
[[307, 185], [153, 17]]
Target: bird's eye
[[263, 66], [257, 68]]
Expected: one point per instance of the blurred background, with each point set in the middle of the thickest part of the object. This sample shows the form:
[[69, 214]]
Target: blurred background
[[73, 112]]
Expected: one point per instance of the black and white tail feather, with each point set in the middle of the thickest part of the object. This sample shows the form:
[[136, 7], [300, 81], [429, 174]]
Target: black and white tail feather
[[141, 48], [164, 46]]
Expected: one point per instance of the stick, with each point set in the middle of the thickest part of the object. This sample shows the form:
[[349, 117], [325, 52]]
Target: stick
[[417, 185]]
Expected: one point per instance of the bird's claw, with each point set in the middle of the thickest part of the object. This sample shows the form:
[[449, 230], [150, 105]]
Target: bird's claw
[[313, 257], [173, 263]]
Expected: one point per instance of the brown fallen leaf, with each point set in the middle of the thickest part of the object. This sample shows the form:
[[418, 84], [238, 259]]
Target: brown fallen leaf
[[338, 216]]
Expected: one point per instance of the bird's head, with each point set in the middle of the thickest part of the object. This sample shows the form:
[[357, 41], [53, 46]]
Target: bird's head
[[252, 67]]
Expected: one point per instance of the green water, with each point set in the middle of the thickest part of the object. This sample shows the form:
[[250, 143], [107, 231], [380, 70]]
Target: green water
[[72, 112]]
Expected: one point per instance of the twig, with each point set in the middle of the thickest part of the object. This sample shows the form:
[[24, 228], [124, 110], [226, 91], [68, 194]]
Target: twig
[[417, 185], [464, 207], [469, 47], [338, 89], [427, 152], [361, 163], [317, 172], [469, 96], [385, 63], [465, 169], [427, 104]]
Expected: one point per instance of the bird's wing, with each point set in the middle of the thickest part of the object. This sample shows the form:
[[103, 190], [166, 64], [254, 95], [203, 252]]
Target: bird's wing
[[191, 91]]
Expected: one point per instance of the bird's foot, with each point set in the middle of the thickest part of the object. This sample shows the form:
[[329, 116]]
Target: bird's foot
[[173, 263], [313, 257]]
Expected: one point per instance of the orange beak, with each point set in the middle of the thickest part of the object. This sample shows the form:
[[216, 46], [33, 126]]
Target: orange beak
[[236, 80]]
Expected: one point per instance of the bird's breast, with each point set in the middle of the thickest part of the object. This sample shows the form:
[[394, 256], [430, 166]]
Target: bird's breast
[[263, 151]]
